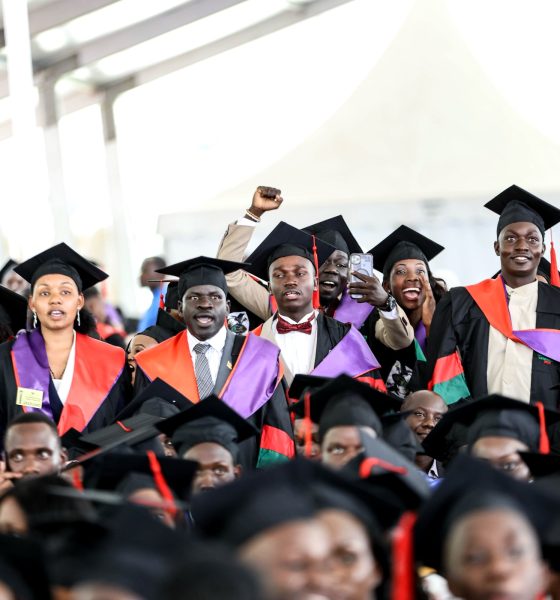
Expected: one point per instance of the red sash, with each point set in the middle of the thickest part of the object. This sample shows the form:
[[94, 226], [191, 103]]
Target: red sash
[[97, 367], [172, 362]]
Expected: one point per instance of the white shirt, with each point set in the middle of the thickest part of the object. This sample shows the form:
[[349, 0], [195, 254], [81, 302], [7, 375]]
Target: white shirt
[[510, 363], [62, 386], [213, 354], [298, 348]]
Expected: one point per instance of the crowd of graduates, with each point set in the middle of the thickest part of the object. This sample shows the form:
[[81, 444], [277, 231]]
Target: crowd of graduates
[[286, 427]]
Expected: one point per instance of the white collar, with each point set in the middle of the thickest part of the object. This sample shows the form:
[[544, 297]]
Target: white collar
[[217, 342], [302, 320]]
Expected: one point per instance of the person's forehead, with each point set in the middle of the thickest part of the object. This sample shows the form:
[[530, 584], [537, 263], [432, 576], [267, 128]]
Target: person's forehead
[[427, 400], [207, 452], [347, 434], [54, 279], [25, 433], [204, 289], [290, 262], [525, 226], [497, 447]]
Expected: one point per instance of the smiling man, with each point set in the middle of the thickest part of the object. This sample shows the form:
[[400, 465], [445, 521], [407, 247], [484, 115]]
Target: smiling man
[[208, 359], [502, 335]]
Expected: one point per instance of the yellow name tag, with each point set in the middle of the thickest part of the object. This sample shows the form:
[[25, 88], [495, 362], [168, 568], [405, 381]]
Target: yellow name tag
[[29, 397]]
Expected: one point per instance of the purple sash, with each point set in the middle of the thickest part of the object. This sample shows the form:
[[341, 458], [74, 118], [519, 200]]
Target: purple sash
[[543, 341], [351, 356], [350, 311], [31, 366], [420, 335], [255, 376]]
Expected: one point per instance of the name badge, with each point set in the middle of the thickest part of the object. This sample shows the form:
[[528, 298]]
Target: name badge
[[29, 397]]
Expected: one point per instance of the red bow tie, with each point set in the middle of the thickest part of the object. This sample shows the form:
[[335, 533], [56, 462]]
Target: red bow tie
[[282, 326]]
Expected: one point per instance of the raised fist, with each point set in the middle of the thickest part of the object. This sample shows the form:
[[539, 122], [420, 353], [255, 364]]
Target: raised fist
[[265, 199]]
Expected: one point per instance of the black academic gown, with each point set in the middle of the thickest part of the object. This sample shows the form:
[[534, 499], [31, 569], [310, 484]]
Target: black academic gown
[[273, 414], [117, 396], [459, 323]]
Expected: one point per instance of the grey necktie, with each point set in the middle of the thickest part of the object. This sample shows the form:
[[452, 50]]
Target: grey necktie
[[202, 371]]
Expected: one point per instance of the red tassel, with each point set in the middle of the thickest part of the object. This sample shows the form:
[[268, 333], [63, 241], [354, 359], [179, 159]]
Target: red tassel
[[77, 479], [160, 482], [403, 583], [123, 426], [554, 275], [316, 301], [368, 463], [162, 301], [544, 442]]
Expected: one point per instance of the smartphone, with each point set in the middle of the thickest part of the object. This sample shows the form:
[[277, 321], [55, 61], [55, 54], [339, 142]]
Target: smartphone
[[360, 263]]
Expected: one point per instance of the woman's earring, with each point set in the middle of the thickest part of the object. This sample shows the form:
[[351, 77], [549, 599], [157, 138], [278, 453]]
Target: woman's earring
[[34, 320], [78, 318]]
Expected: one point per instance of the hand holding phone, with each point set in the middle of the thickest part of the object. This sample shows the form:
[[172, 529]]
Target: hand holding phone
[[363, 264]]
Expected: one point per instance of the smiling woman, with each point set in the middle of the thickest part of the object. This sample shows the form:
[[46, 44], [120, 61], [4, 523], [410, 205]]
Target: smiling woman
[[57, 369]]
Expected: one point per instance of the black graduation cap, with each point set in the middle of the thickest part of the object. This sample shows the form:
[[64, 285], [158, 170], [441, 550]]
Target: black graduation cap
[[398, 434], [493, 415], [516, 205], [345, 401], [23, 569], [258, 501], [211, 420], [201, 270], [470, 485], [76, 446], [305, 383], [136, 553], [404, 243], [169, 324], [160, 394], [172, 295], [128, 432], [285, 240], [13, 309], [6, 267], [335, 231], [65, 261], [108, 471], [378, 459], [541, 465]]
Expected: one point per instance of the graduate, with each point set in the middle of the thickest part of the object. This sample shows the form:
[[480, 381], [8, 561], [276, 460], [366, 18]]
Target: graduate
[[501, 335], [482, 530], [334, 295], [55, 368], [343, 409], [496, 429], [403, 258], [306, 530], [207, 358], [216, 438], [310, 341]]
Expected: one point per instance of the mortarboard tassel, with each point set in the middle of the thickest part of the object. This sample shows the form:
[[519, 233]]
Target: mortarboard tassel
[[316, 301], [162, 301], [554, 275], [160, 482], [403, 584], [77, 480], [368, 463], [544, 442]]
